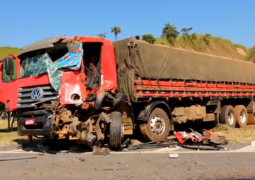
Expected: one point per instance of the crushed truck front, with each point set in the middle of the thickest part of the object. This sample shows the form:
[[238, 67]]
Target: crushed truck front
[[54, 95]]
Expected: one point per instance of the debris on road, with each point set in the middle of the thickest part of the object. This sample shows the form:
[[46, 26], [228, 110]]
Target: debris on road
[[152, 145], [173, 156], [78, 160], [200, 141], [253, 143], [202, 147], [100, 150]]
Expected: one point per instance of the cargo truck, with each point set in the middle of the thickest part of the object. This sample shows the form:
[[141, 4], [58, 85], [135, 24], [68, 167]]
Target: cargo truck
[[96, 91]]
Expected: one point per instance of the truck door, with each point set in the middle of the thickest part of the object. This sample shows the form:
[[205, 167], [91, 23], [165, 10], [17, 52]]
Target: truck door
[[5, 79]]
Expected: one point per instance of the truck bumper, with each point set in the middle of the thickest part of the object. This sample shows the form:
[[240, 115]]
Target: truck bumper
[[43, 125]]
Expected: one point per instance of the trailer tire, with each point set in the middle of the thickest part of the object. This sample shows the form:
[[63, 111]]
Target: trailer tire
[[115, 131], [228, 116], [161, 117], [241, 115]]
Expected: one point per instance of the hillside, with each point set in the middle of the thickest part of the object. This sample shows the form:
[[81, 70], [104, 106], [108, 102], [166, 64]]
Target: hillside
[[4, 51], [251, 54], [192, 42], [212, 45]]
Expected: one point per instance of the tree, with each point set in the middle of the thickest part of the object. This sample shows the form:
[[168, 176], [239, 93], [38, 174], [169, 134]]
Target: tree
[[137, 37], [116, 30], [102, 35], [149, 38], [170, 32], [193, 36], [185, 31], [207, 38]]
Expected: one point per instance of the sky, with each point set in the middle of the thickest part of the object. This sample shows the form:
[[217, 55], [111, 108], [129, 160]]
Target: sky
[[27, 21]]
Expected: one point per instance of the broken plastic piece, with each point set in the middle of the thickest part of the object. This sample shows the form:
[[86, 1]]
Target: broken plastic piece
[[174, 156]]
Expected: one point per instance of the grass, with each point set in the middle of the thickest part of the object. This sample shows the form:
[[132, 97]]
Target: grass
[[251, 54], [5, 51], [216, 46], [236, 135], [10, 137]]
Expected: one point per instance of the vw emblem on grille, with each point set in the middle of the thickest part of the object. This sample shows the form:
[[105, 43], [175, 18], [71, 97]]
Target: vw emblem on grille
[[37, 94]]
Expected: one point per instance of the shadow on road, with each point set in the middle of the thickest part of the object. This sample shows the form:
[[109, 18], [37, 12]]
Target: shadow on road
[[50, 146], [6, 130]]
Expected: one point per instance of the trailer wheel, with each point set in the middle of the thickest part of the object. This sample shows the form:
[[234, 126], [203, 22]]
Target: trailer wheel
[[241, 115], [115, 134], [158, 126], [227, 116]]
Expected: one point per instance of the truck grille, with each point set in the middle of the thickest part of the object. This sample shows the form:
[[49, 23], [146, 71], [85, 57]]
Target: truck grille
[[24, 96]]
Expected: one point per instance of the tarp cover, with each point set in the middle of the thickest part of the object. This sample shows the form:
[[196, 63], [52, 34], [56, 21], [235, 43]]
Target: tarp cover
[[164, 62]]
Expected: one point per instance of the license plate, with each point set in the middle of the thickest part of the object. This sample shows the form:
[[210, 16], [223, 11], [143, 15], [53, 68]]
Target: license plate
[[30, 122]]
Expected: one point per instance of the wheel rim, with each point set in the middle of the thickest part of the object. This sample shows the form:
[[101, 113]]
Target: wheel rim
[[157, 125], [242, 117], [231, 118]]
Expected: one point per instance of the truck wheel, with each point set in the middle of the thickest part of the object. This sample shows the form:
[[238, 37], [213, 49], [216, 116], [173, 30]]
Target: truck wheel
[[115, 134], [227, 116], [241, 115], [158, 126]]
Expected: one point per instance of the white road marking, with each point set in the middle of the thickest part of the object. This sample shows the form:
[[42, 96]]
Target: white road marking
[[247, 148]]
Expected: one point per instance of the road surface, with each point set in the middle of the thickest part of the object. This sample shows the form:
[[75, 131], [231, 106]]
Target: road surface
[[237, 163]]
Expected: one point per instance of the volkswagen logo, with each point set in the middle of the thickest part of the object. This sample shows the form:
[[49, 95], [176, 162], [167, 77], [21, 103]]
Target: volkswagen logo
[[37, 94]]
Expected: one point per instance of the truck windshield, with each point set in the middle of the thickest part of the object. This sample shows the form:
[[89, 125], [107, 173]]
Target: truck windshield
[[34, 65]]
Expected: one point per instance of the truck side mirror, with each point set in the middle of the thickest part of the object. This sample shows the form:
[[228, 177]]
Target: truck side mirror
[[9, 66]]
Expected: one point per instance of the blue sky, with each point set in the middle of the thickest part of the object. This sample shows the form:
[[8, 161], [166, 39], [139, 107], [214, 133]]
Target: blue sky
[[24, 22]]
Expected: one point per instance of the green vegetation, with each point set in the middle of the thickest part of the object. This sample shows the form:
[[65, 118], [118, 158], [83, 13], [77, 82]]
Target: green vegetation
[[116, 30], [5, 51], [191, 41], [205, 43], [149, 38], [251, 55], [186, 39], [102, 35]]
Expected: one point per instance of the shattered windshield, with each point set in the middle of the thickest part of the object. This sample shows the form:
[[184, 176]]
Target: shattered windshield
[[34, 66], [43, 63]]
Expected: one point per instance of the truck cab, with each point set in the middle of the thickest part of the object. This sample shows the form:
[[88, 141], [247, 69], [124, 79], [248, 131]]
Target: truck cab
[[66, 89]]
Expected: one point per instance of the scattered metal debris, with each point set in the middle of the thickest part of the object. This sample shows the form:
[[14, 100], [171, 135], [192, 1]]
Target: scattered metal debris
[[200, 141], [78, 160], [153, 145]]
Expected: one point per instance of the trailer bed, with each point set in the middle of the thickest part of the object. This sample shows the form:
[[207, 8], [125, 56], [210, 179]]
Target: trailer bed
[[181, 88]]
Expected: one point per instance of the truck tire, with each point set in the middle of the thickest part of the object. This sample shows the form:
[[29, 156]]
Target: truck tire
[[227, 116], [115, 131], [157, 127], [241, 115]]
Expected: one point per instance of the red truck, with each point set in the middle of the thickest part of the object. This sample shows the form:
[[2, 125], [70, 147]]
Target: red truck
[[94, 91]]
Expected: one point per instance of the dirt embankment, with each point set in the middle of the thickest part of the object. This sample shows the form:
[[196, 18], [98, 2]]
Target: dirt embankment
[[211, 45]]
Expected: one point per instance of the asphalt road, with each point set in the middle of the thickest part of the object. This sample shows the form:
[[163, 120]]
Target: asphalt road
[[133, 166]]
